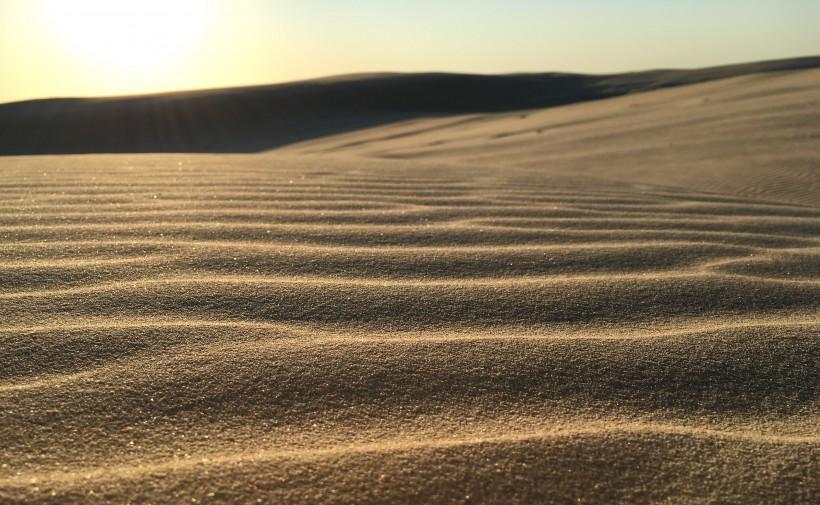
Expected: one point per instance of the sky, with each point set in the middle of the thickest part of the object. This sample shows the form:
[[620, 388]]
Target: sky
[[62, 48]]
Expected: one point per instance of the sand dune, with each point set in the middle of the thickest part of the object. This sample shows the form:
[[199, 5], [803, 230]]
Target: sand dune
[[624, 307], [255, 119], [755, 135]]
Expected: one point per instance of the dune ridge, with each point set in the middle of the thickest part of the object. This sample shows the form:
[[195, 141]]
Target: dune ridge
[[259, 118], [376, 319]]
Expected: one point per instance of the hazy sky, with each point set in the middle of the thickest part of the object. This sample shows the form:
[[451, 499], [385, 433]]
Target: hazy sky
[[102, 47]]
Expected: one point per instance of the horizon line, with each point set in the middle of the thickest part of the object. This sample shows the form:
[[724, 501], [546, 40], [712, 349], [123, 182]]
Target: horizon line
[[183, 91]]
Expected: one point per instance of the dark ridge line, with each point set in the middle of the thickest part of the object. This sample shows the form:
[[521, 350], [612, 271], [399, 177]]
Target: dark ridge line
[[259, 118]]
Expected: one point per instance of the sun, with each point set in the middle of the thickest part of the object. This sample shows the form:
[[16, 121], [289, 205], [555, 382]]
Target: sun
[[134, 35]]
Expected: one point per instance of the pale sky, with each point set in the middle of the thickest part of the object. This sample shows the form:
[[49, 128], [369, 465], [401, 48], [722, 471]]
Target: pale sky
[[60, 48]]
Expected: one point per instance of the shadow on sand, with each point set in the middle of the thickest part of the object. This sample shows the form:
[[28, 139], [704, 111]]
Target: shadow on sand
[[254, 119]]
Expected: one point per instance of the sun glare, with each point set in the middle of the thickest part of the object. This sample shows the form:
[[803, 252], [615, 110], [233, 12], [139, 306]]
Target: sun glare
[[137, 35]]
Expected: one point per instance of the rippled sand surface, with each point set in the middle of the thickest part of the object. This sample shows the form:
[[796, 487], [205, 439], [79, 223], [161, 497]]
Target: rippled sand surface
[[429, 328]]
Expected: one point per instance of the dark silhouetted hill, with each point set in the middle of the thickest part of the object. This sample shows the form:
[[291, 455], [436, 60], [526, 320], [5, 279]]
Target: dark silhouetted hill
[[254, 119]]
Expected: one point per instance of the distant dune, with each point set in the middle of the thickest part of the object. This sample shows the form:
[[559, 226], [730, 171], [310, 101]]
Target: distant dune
[[755, 135], [603, 302], [260, 118]]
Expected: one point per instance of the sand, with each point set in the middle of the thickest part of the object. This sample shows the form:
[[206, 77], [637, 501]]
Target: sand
[[261, 118], [608, 302]]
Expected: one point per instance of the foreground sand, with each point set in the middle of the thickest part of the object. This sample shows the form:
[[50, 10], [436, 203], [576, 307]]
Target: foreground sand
[[448, 326]]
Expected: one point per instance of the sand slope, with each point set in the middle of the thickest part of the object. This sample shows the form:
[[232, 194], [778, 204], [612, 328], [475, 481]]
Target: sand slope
[[461, 323], [755, 135], [259, 118]]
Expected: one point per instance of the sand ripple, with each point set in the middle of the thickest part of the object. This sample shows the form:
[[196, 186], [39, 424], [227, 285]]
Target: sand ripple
[[222, 329]]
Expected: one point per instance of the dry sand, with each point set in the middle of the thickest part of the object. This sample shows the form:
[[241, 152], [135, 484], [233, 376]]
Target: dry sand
[[608, 302]]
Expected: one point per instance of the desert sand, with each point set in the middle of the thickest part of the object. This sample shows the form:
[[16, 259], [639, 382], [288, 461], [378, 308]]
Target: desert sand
[[609, 301]]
